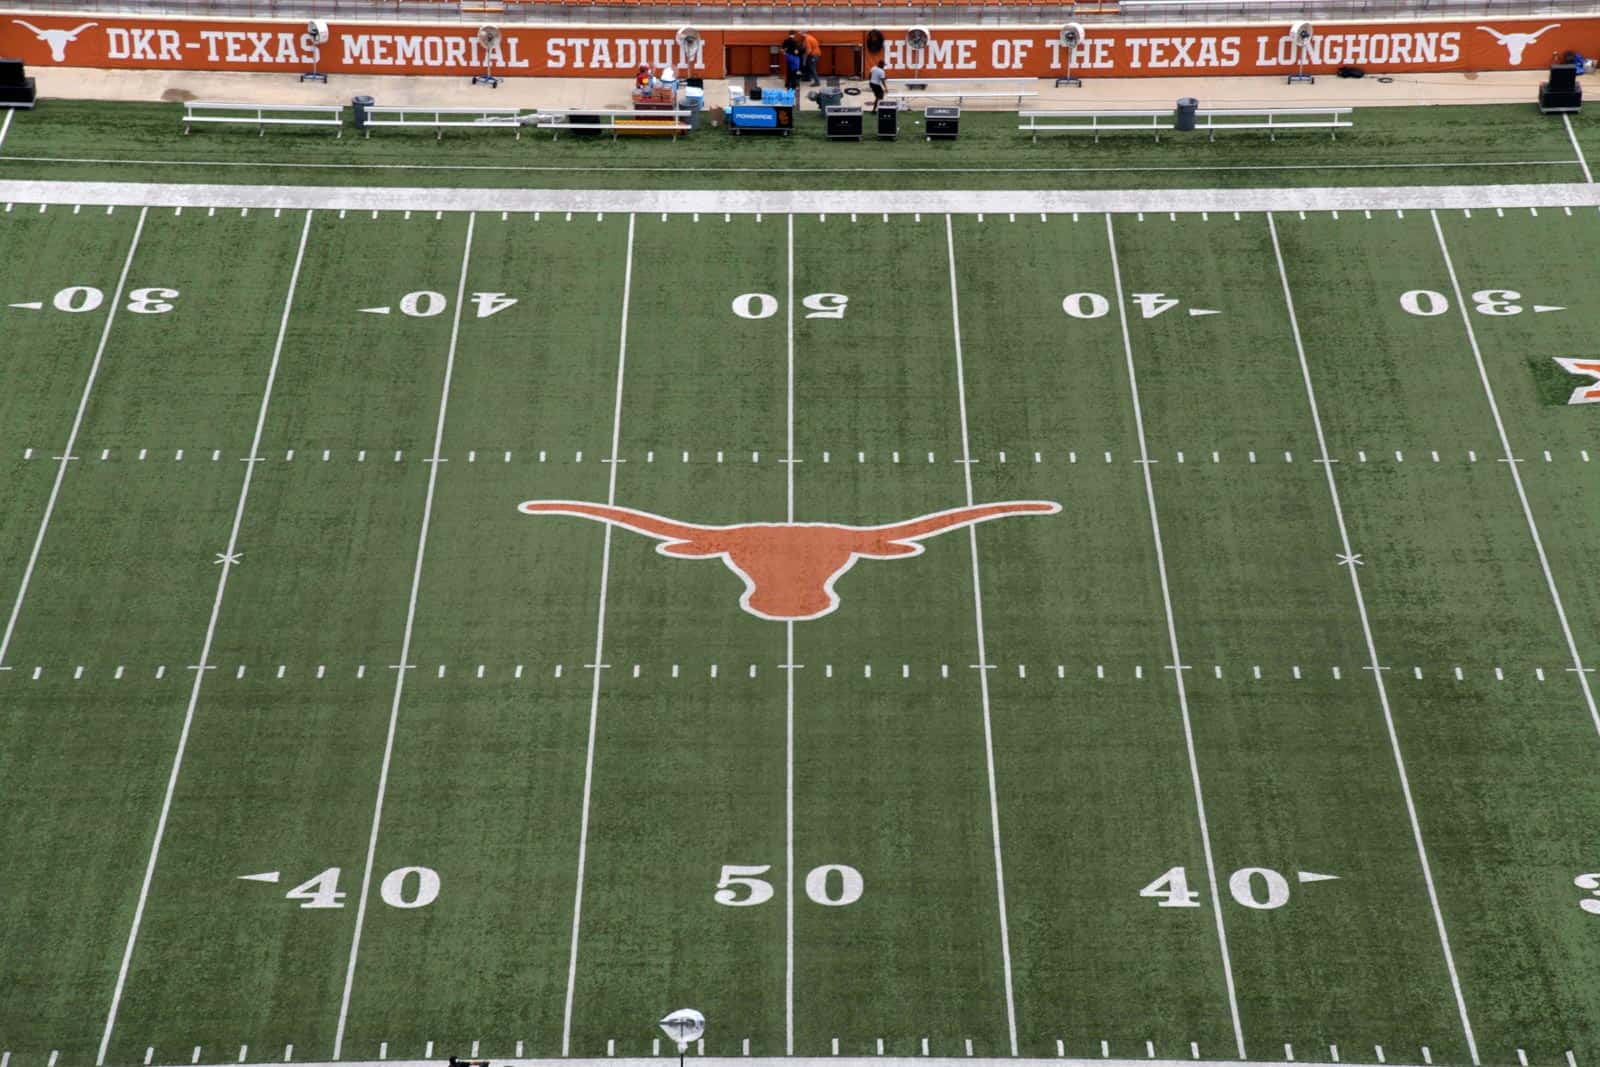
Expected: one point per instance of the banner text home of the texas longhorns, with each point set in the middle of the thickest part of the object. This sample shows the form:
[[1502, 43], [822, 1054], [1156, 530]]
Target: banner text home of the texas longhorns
[[372, 48]]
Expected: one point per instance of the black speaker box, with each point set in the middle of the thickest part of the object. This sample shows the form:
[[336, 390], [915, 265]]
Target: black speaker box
[[1562, 93], [942, 122], [16, 88]]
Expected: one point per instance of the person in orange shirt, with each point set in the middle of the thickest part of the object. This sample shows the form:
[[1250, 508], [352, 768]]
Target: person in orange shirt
[[813, 53]]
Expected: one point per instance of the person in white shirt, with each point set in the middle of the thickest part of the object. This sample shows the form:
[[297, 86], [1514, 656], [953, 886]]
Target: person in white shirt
[[878, 81]]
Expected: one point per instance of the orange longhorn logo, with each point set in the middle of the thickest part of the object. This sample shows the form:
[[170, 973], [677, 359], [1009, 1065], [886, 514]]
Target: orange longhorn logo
[[789, 568]]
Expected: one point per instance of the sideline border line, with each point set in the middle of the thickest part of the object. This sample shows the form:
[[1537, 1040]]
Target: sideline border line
[[821, 201], [1566, 120]]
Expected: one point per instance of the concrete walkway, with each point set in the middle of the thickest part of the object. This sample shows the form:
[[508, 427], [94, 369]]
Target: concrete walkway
[[831, 202]]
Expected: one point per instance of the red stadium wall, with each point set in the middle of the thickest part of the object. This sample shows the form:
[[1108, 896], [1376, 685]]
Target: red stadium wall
[[155, 43]]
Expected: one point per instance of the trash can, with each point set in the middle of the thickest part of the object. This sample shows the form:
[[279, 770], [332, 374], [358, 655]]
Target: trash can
[[693, 100], [360, 104], [832, 96], [1187, 106]]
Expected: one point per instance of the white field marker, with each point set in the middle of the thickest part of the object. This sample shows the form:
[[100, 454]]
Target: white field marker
[[288, 1053], [383, 1050], [149, 1054], [1194, 1050], [519, 1050], [1427, 1055], [983, 655], [1516, 478], [405, 642], [788, 683], [1172, 639], [244, 1052], [599, 646], [205, 646], [195, 1058], [72, 435], [1566, 120], [1372, 648], [1522, 1054]]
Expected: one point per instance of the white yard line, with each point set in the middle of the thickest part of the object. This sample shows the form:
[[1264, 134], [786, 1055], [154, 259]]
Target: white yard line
[[72, 439], [788, 698], [983, 652], [1516, 477], [405, 644], [202, 665], [773, 202], [1372, 647], [1573, 137], [599, 648], [1172, 638], [5, 127], [843, 1061]]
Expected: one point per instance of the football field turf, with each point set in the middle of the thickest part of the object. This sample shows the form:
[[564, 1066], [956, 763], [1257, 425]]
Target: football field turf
[[1277, 740]]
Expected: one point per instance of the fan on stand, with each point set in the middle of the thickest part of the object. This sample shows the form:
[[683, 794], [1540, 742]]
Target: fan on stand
[[1302, 34], [1072, 35], [489, 42], [316, 36], [917, 40]]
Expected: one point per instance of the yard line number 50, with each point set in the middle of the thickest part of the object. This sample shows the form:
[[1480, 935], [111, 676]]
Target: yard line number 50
[[832, 885]]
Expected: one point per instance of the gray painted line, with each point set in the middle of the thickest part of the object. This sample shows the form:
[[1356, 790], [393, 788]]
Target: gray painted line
[[901, 202]]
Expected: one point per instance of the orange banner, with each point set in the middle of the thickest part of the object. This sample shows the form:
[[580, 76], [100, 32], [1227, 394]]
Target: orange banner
[[576, 51]]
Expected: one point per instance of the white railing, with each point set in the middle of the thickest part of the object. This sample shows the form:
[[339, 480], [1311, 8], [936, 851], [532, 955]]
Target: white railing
[[1095, 122], [262, 115], [440, 119], [1212, 120], [1274, 119], [616, 122]]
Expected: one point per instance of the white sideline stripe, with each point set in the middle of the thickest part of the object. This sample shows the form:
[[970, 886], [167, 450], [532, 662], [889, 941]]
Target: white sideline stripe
[[788, 695], [599, 646], [677, 201], [1516, 478], [405, 643], [5, 127], [843, 1061], [211, 632], [557, 169], [983, 655], [1372, 649], [72, 438], [1172, 638], [1566, 121]]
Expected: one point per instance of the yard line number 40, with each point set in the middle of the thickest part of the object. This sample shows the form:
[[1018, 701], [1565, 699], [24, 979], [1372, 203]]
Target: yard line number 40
[[1257, 888]]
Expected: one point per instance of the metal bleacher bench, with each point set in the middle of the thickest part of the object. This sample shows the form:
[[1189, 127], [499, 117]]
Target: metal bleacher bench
[[616, 122], [1211, 120], [919, 89], [263, 115], [440, 119], [1274, 119]]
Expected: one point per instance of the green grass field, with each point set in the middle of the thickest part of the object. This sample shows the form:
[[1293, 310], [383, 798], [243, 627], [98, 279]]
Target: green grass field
[[1061, 784]]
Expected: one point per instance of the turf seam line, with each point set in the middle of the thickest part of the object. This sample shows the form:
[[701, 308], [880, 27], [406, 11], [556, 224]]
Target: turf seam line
[[405, 644], [1516, 478], [72, 435], [227, 561], [1172, 637], [1350, 561], [599, 646], [983, 656]]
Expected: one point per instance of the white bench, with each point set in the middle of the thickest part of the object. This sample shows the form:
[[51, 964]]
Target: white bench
[[1095, 122], [263, 115], [445, 118], [1332, 119], [960, 96], [616, 121]]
